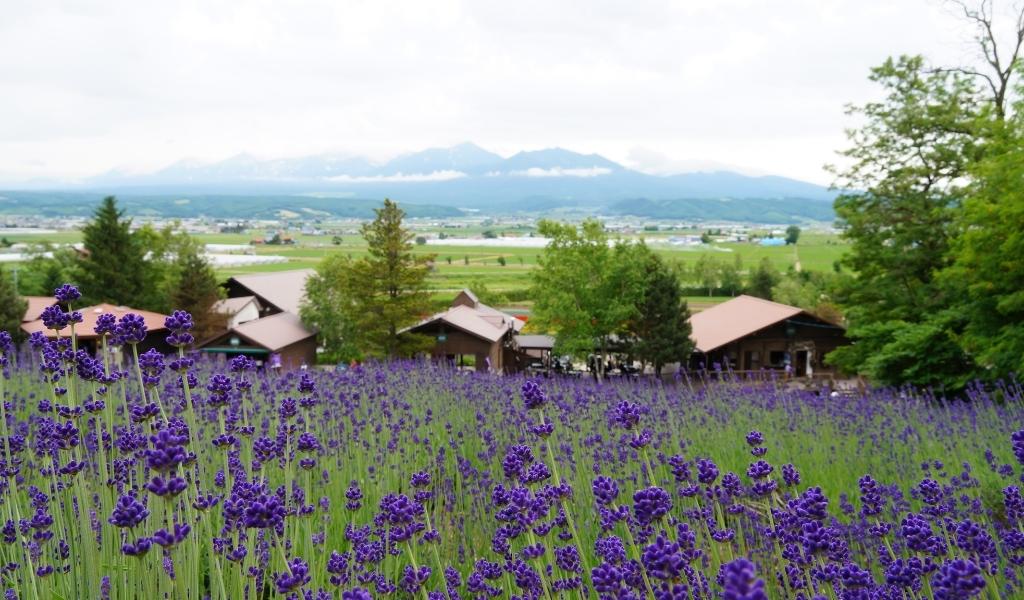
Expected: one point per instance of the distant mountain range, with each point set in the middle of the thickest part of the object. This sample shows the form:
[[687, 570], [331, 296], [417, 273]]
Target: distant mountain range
[[466, 176]]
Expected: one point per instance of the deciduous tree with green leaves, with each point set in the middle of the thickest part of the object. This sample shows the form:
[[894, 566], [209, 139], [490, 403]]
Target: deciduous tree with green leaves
[[328, 307], [910, 163], [585, 289], [987, 270], [12, 307], [763, 280]]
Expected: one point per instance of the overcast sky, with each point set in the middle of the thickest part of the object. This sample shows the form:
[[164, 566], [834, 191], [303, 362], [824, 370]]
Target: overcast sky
[[661, 86]]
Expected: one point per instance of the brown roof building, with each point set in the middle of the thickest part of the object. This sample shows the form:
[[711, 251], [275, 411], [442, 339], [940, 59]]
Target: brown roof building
[[751, 334], [35, 307], [280, 291], [279, 340], [471, 328], [85, 331]]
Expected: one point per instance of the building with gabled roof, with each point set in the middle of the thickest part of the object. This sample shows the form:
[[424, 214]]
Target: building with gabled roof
[[280, 340], [85, 331], [471, 328], [238, 310], [35, 305], [751, 334], [279, 291]]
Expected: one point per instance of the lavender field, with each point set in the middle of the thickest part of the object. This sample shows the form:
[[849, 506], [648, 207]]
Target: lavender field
[[185, 477]]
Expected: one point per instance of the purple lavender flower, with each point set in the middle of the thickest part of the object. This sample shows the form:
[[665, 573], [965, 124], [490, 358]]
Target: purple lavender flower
[[130, 329], [128, 512], [957, 579], [605, 490], [651, 504], [67, 293], [105, 324], [179, 323], [739, 581], [626, 414], [533, 395], [295, 576], [54, 317]]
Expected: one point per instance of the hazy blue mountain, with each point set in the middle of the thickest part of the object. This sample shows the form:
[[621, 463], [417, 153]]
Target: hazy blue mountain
[[465, 158], [556, 158], [468, 176]]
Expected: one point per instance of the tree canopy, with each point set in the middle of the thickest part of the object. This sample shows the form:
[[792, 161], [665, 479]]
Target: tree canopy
[[362, 306], [931, 209]]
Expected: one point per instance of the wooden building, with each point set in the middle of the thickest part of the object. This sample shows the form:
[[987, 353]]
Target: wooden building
[[280, 340], [751, 334], [35, 305], [470, 328], [277, 292], [238, 310], [87, 338]]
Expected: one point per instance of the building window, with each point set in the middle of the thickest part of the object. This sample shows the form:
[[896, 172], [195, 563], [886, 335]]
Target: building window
[[752, 360], [777, 359]]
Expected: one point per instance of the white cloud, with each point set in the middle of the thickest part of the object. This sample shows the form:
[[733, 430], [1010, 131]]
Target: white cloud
[[560, 172], [399, 177], [89, 85]]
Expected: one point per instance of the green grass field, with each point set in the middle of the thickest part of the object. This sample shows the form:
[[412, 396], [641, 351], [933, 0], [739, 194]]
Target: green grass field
[[456, 267]]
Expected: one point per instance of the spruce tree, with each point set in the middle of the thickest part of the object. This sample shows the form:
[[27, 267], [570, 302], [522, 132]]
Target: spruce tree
[[389, 286], [661, 330], [194, 288], [12, 307], [114, 269]]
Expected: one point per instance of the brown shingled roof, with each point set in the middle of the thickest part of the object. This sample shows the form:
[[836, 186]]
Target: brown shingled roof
[[274, 332], [283, 289], [36, 306], [84, 330], [731, 320]]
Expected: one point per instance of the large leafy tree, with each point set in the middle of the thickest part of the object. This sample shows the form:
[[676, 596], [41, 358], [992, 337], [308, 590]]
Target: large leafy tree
[[586, 289], [114, 268], [388, 287], [12, 307], [922, 151], [987, 270], [328, 306], [763, 279], [661, 328], [905, 186]]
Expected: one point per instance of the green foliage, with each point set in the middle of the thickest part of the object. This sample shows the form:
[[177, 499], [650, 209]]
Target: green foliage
[[660, 331], [987, 270], [12, 307], [898, 352], [420, 240], [792, 234], [115, 268], [388, 287], [486, 294], [585, 289], [361, 306], [811, 291], [708, 272], [908, 163], [501, 260], [763, 280], [192, 286], [328, 307], [732, 276]]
